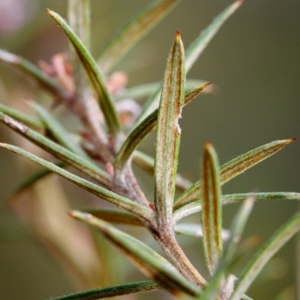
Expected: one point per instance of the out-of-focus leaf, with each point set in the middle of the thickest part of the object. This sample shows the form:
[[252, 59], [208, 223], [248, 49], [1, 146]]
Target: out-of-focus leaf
[[58, 131], [125, 218], [238, 226], [147, 260], [266, 252], [102, 193], [192, 54], [217, 285], [133, 32], [234, 168], [211, 208], [114, 216], [146, 163], [20, 116], [195, 230], [31, 180], [168, 134], [82, 165], [196, 206], [199, 44], [112, 291], [145, 90], [140, 132], [94, 74], [34, 72]]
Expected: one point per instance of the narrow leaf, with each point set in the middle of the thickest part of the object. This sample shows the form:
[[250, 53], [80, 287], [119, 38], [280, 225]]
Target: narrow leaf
[[168, 133], [219, 286], [238, 226], [114, 216], [145, 90], [200, 43], [94, 74], [146, 163], [195, 230], [112, 291], [102, 193], [34, 72], [193, 53], [58, 131], [211, 208], [141, 131], [82, 165], [234, 168], [125, 218], [133, 32], [22, 117], [196, 206], [266, 252], [147, 260]]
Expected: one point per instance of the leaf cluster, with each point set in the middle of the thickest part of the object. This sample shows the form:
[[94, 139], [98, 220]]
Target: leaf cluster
[[104, 161]]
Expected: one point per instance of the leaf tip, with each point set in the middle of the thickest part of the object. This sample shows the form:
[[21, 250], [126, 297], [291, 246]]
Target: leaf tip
[[178, 35], [208, 145], [80, 215], [289, 141], [205, 85], [240, 2]]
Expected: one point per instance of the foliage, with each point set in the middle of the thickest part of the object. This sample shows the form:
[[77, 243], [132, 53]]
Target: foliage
[[106, 151]]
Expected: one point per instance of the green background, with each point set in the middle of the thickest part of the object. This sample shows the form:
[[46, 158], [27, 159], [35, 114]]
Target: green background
[[253, 60]]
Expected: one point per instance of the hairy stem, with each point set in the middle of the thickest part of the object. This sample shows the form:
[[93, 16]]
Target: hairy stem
[[167, 240]]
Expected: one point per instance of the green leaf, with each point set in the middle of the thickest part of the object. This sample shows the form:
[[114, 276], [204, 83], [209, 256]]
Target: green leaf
[[218, 285], [79, 18], [145, 90], [193, 53], [22, 117], [146, 163], [211, 208], [112, 291], [147, 260], [58, 131], [125, 218], [114, 216], [234, 198], [82, 165], [195, 230], [45, 81], [238, 226], [196, 206], [95, 76], [140, 132], [234, 168], [200, 43], [168, 134], [266, 252], [133, 32], [102, 193]]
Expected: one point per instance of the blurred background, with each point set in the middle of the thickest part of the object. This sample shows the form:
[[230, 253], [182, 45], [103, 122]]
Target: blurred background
[[254, 63]]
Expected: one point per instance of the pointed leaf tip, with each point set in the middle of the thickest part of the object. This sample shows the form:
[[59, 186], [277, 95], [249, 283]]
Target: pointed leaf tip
[[240, 2], [208, 145], [178, 35], [80, 215]]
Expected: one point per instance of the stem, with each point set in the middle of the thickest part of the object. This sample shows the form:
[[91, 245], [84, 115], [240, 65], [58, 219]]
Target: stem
[[167, 240]]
